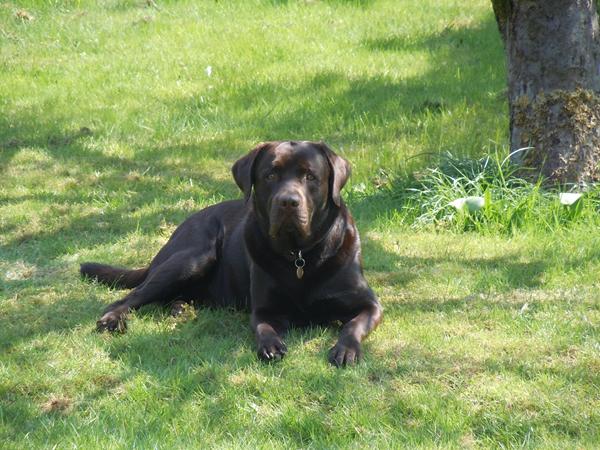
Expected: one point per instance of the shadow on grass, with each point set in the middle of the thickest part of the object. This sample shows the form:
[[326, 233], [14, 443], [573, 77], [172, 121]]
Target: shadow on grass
[[214, 335], [498, 274], [117, 197], [347, 110], [33, 309]]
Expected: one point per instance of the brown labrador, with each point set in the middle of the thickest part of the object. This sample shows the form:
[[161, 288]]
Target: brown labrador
[[289, 253]]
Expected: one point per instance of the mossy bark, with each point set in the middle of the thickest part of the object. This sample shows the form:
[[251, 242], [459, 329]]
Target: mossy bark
[[553, 55]]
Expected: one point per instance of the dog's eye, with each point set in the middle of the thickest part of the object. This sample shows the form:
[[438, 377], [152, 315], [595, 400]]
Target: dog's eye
[[310, 177], [270, 176]]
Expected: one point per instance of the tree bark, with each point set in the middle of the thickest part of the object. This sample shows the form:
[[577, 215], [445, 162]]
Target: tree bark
[[553, 55]]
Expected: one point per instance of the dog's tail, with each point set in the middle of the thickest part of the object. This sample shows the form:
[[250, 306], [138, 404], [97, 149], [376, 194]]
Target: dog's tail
[[113, 276]]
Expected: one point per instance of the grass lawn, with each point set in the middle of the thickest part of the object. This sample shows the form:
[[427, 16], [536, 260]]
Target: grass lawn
[[118, 119]]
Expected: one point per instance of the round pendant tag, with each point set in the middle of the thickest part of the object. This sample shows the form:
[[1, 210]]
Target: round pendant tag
[[299, 263]]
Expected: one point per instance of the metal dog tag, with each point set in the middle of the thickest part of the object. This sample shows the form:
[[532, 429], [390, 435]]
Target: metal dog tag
[[299, 263]]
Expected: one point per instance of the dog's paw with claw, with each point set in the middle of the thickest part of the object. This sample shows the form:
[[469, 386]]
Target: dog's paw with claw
[[271, 348], [346, 352], [112, 321]]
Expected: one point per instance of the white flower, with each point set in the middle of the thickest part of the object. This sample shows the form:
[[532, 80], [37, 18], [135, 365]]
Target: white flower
[[569, 198], [471, 203], [208, 70]]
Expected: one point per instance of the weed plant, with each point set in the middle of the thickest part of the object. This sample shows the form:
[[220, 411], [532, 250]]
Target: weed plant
[[512, 199]]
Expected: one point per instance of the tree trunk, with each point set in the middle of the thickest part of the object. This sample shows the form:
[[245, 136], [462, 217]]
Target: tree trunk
[[553, 55]]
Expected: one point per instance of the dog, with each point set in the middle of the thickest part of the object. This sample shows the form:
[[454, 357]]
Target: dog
[[288, 252]]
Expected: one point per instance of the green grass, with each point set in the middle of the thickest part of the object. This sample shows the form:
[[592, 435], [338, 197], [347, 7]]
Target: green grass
[[111, 133]]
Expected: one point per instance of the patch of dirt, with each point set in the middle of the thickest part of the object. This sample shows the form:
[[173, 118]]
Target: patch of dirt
[[57, 404], [24, 15]]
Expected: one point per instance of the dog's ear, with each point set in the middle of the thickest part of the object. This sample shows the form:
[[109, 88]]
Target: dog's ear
[[243, 169], [340, 172]]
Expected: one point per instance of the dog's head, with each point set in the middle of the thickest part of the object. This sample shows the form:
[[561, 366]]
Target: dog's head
[[296, 185]]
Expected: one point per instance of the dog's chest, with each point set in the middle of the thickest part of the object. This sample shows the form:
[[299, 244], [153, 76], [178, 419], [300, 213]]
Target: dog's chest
[[307, 304]]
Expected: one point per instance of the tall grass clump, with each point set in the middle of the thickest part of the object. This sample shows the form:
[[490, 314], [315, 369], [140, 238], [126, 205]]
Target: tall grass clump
[[491, 194]]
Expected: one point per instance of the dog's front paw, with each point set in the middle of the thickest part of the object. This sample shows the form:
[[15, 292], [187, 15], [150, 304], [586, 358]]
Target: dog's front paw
[[271, 348], [346, 352], [178, 308], [112, 321]]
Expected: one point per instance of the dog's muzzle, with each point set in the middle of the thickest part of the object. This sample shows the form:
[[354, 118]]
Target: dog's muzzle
[[289, 216]]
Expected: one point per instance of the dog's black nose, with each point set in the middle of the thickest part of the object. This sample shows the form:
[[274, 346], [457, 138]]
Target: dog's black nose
[[289, 201]]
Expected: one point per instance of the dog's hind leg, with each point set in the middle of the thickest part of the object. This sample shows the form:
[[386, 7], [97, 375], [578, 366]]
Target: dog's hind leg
[[113, 276], [163, 284]]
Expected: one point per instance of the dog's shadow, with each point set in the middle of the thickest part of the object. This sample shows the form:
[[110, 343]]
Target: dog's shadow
[[157, 343], [155, 340]]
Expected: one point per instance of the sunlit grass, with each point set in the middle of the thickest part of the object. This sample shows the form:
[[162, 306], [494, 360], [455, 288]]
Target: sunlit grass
[[112, 131]]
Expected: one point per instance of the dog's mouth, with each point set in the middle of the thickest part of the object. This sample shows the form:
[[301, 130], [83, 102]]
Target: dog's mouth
[[293, 227]]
